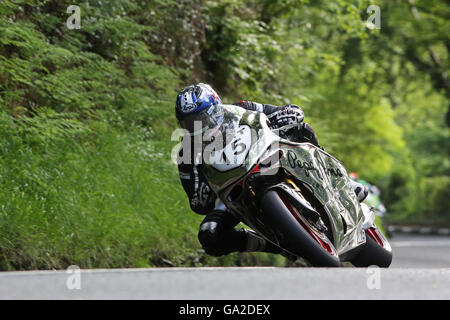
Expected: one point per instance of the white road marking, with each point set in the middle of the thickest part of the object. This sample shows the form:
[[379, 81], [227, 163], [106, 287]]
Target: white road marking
[[421, 244]]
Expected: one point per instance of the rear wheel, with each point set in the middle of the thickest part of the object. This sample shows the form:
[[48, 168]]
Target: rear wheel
[[376, 251], [295, 235]]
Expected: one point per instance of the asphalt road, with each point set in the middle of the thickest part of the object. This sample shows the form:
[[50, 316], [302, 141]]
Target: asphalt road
[[420, 251], [420, 270]]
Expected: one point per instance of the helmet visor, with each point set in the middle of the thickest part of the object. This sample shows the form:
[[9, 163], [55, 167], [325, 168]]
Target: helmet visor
[[198, 122]]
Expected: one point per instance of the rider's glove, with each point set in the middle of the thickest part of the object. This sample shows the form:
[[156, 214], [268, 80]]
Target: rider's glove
[[195, 200], [288, 117]]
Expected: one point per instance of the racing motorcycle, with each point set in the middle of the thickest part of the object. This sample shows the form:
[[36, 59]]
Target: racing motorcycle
[[295, 195]]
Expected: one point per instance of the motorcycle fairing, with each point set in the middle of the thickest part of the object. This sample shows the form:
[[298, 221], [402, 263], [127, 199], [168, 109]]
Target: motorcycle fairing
[[329, 181], [325, 175]]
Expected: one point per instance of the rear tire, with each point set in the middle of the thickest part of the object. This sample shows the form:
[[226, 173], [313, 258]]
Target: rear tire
[[291, 234], [372, 254]]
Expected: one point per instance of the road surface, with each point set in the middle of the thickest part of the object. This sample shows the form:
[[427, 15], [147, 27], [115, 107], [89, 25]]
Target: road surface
[[420, 251], [420, 270]]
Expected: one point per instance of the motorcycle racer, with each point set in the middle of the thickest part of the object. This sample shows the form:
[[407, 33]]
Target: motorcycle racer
[[217, 234]]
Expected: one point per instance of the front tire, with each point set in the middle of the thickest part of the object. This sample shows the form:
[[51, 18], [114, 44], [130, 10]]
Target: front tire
[[292, 235]]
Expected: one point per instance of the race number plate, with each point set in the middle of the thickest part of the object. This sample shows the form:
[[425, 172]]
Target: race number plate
[[233, 155]]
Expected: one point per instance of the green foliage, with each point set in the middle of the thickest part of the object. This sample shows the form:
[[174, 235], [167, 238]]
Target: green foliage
[[86, 115]]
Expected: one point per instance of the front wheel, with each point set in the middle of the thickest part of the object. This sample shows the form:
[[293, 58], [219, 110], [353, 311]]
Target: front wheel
[[292, 235]]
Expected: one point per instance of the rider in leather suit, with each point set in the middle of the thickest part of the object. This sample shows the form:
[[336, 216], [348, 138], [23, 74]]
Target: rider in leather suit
[[218, 235]]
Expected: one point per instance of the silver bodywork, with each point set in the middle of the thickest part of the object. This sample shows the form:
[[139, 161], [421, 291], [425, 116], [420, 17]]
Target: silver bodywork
[[323, 173], [330, 182]]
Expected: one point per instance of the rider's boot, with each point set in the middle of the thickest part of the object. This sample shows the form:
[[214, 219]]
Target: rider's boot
[[361, 190], [256, 243]]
